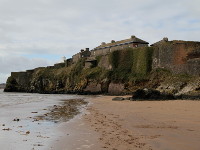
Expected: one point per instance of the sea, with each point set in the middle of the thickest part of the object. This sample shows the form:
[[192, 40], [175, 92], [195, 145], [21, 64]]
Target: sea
[[18, 129]]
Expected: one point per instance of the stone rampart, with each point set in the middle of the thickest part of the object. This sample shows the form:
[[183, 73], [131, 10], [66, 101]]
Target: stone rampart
[[178, 56]]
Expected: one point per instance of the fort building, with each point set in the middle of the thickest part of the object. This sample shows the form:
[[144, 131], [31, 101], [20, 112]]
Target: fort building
[[81, 54], [164, 40], [104, 48], [177, 55]]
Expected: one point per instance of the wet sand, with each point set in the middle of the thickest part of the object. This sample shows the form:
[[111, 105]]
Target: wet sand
[[30, 121], [138, 125]]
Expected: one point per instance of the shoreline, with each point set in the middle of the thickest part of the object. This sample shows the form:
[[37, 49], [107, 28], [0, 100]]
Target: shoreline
[[76, 133], [21, 124], [139, 125], [102, 124]]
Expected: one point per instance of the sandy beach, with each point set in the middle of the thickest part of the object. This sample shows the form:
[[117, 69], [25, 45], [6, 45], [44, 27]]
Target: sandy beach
[[102, 123], [128, 125]]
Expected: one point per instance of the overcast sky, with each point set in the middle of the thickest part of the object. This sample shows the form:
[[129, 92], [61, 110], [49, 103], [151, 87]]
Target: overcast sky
[[37, 33]]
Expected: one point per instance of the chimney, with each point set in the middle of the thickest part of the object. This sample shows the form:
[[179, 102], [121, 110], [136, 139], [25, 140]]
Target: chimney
[[133, 36], [82, 50], [165, 39], [87, 49], [103, 43]]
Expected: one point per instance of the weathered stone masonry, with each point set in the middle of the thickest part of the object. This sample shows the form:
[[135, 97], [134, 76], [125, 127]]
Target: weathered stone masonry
[[177, 56], [104, 48]]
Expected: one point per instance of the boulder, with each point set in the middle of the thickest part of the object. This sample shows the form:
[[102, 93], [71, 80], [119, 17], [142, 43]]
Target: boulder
[[115, 88], [118, 99], [128, 98], [151, 94]]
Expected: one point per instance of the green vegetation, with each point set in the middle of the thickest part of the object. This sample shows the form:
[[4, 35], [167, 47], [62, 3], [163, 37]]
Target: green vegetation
[[142, 61], [98, 58], [91, 73], [131, 64], [74, 75], [76, 70]]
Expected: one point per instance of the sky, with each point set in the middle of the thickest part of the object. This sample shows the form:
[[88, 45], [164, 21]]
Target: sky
[[36, 33]]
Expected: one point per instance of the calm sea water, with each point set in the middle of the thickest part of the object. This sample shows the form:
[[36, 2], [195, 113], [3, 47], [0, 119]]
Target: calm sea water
[[27, 134]]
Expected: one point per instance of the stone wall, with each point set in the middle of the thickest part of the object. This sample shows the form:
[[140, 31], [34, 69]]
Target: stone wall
[[85, 53], [82, 54], [104, 63], [68, 62], [76, 57], [178, 56], [105, 51], [19, 81], [193, 66], [59, 65]]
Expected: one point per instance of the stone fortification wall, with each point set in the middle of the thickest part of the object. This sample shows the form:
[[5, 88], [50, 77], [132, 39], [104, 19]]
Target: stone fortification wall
[[68, 62], [76, 57], [59, 65], [82, 54], [178, 56], [21, 77], [107, 50], [19, 81], [104, 62]]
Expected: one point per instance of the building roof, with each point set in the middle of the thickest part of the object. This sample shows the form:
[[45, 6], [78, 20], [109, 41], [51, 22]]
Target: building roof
[[165, 39], [133, 39]]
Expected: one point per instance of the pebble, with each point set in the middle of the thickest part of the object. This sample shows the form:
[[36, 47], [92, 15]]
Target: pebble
[[16, 119]]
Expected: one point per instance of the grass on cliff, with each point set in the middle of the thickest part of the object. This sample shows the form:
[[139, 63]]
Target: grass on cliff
[[74, 74]]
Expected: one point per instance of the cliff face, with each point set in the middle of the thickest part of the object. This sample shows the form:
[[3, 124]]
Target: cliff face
[[120, 72]]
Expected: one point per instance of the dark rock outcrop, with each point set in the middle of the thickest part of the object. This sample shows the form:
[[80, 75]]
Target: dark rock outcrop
[[118, 99], [151, 94]]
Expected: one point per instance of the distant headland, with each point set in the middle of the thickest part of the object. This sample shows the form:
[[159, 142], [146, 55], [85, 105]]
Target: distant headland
[[2, 85]]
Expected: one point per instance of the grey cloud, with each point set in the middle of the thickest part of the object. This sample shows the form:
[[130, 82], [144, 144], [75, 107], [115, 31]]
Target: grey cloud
[[10, 64], [63, 27], [20, 63]]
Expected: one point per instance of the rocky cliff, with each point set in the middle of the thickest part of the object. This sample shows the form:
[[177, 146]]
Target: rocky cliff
[[120, 72]]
